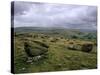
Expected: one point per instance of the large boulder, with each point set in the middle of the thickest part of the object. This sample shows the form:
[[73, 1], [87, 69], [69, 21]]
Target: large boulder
[[74, 47], [87, 47], [33, 49]]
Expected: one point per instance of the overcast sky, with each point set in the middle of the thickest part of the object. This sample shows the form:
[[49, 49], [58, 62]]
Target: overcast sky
[[54, 15]]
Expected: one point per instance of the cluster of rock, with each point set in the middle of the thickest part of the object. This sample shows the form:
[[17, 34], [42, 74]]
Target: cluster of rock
[[85, 47], [35, 50]]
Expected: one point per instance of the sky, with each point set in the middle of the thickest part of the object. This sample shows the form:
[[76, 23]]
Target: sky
[[36, 14]]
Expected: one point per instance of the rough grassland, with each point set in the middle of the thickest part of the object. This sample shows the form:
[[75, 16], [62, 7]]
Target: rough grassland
[[58, 57]]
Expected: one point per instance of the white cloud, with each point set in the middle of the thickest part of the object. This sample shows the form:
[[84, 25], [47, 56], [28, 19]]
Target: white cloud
[[54, 15]]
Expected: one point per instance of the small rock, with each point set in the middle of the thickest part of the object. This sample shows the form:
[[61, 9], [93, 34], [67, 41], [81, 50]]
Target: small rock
[[23, 68], [29, 61]]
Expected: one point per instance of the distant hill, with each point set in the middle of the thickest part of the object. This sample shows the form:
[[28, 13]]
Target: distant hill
[[47, 29], [66, 33]]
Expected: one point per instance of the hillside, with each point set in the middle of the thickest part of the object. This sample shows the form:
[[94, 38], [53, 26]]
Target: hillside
[[64, 49]]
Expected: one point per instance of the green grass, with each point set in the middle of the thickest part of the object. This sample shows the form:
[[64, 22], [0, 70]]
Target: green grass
[[58, 58]]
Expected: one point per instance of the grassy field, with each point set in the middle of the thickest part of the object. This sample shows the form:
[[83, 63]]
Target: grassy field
[[64, 52]]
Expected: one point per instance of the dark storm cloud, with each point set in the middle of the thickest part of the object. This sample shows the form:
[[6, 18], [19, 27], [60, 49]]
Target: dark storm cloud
[[54, 15], [20, 7]]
